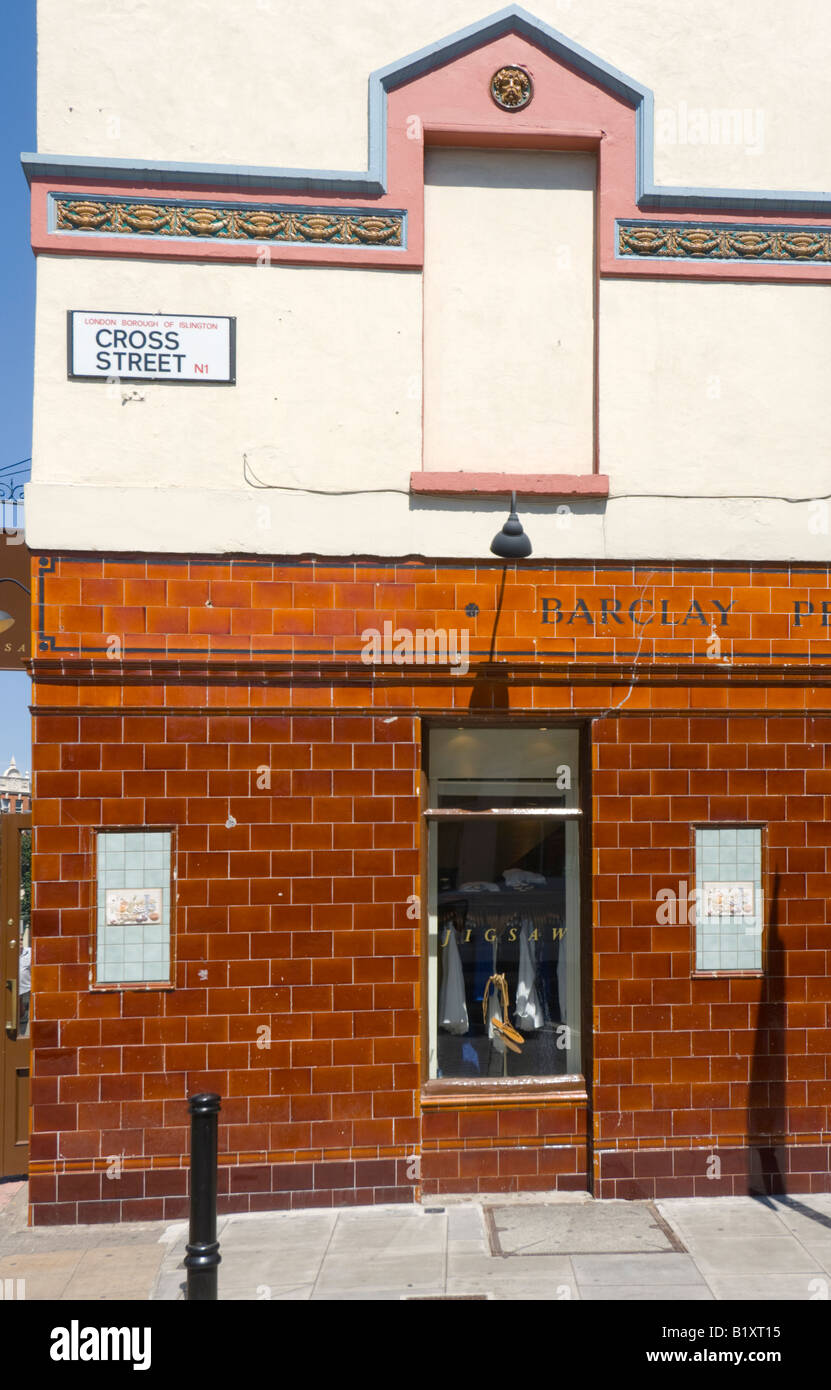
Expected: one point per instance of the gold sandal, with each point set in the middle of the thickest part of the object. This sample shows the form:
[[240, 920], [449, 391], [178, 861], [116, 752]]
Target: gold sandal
[[502, 1030], [509, 1035]]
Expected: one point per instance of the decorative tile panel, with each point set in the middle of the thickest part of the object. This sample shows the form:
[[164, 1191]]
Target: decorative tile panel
[[729, 902], [228, 222], [715, 242], [133, 909]]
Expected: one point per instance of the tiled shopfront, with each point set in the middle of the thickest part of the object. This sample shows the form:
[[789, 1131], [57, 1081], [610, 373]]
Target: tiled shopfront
[[303, 876]]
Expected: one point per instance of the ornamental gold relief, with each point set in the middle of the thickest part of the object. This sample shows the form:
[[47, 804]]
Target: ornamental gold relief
[[202, 222], [83, 216], [511, 88], [119, 217], [148, 219]]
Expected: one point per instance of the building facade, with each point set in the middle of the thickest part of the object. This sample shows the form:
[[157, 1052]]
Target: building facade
[[15, 789], [451, 870]]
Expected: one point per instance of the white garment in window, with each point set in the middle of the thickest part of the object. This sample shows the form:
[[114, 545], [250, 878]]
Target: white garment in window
[[452, 1004], [528, 1012]]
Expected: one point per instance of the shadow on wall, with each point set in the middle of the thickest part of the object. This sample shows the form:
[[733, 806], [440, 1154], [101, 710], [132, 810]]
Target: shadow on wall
[[487, 693], [767, 1113]]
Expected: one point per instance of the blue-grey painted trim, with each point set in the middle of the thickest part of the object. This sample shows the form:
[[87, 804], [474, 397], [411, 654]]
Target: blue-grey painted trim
[[164, 172], [751, 200], [372, 182]]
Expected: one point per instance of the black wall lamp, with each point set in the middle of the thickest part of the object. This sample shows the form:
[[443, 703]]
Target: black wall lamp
[[511, 543]]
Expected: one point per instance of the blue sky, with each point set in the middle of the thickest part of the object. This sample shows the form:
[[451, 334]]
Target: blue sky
[[17, 133]]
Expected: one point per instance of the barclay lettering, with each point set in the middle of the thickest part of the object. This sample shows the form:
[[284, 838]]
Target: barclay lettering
[[608, 610]]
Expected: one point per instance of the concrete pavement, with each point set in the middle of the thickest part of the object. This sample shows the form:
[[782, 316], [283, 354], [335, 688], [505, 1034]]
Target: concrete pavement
[[536, 1247]]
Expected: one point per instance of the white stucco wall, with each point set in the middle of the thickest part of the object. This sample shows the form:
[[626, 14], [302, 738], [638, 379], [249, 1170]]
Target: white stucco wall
[[192, 520], [713, 419], [715, 388], [328, 390], [739, 88], [508, 311], [708, 391]]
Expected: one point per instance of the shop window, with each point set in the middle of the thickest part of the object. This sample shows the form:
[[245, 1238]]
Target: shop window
[[729, 897], [504, 910], [133, 928]]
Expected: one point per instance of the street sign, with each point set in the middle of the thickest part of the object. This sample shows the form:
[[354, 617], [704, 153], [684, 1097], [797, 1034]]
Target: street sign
[[104, 345]]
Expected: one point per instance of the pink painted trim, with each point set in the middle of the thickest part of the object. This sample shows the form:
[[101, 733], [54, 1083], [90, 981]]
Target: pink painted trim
[[562, 137], [503, 484], [166, 249], [452, 105]]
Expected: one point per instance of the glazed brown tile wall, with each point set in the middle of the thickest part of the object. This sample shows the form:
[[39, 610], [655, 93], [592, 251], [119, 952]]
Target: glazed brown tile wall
[[295, 918], [710, 1084], [297, 967], [518, 1148], [317, 609]]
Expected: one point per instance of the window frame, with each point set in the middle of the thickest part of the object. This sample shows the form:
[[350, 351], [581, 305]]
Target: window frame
[[572, 1085]]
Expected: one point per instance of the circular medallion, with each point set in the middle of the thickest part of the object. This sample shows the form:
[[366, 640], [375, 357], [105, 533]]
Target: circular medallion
[[511, 88]]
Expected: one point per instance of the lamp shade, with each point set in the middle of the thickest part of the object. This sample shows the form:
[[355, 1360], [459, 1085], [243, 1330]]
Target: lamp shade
[[511, 543]]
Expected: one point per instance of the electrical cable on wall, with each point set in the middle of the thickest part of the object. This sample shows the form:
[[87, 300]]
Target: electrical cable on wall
[[253, 481]]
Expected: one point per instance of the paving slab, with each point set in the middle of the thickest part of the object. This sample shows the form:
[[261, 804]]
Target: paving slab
[[513, 1290], [542, 1268], [378, 1293], [647, 1293], [388, 1232], [465, 1224], [9, 1189], [751, 1255], [170, 1287], [45, 1275], [821, 1252], [343, 1273], [771, 1287], [290, 1227], [115, 1272], [269, 1267], [610, 1227], [265, 1234], [295, 1293], [18, 1238], [544, 1277], [625, 1271], [721, 1216], [809, 1219]]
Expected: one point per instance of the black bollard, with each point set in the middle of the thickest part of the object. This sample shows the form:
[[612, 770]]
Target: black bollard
[[203, 1257]]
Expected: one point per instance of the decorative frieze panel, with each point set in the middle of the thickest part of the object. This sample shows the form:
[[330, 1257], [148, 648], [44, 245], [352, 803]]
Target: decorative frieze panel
[[702, 241], [220, 618], [228, 222]]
